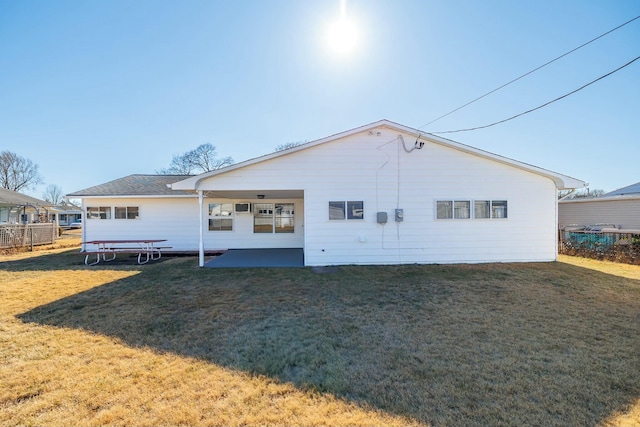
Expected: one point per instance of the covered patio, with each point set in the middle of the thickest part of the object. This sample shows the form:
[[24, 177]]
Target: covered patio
[[243, 258]]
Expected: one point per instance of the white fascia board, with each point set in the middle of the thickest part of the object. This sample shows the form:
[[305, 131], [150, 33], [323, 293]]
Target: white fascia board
[[622, 198], [159, 196]]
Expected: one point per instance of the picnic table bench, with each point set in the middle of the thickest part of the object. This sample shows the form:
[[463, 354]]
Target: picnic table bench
[[109, 249]]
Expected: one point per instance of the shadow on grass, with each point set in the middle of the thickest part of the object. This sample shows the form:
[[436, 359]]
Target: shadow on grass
[[70, 259], [525, 344]]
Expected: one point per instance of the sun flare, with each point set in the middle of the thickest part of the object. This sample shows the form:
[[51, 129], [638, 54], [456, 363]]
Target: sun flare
[[342, 37]]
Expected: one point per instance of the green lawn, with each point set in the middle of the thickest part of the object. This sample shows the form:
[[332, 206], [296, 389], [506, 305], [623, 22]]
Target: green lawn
[[491, 344]]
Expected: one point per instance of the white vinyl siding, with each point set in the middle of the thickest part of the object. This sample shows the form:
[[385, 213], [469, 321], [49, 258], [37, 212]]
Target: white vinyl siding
[[351, 170], [371, 168], [624, 212]]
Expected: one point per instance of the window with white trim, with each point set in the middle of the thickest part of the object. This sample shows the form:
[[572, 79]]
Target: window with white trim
[[461, 209], [126, 212], [99, 212], [220, 217], [339, 210]]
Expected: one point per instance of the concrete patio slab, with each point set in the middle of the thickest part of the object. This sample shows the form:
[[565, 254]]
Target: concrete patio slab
[[239, 258]]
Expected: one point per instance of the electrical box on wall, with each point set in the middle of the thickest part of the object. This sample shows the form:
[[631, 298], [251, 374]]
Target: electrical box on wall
[[382, 217], [399, 215]]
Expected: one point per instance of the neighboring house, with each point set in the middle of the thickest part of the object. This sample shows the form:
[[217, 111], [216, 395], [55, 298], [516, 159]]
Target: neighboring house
[[620, 208], [18, 208], [24, 220], [65, 214], [382, 193]]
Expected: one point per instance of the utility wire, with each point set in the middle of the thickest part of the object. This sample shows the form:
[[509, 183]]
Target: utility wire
[[530, 72], [545, 104]]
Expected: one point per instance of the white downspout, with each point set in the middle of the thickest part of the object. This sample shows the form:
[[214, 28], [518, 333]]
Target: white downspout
[[557, 229], [83, 227], [201, 216]]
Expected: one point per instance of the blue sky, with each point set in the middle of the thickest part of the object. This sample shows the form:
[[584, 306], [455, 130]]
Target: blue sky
[[92, 91]]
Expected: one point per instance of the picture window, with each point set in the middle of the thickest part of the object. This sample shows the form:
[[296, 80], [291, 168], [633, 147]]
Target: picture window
[[273, 218]]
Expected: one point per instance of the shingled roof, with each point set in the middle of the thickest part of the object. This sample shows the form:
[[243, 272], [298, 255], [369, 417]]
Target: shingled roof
[[13, 198], [624, 191], [135, 185]]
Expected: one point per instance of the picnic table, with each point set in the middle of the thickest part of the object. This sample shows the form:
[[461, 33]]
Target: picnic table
[[107, 250]]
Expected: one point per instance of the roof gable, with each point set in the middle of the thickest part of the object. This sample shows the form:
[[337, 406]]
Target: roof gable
[[561, 181]]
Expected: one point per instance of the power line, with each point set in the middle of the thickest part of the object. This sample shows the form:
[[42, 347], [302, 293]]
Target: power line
[[530, 72], [545, 104]]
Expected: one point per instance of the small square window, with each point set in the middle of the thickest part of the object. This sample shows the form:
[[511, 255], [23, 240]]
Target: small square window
[[336, 210], [462, 209], [499, 209], [482, 209], [444, 209], [355, 210]]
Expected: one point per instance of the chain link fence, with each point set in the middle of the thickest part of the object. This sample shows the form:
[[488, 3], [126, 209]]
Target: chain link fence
[[603, 244], [24, 235]]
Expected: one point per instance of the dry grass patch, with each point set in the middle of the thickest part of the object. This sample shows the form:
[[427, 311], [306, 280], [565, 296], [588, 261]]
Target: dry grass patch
[[169, 343], [74, 376]]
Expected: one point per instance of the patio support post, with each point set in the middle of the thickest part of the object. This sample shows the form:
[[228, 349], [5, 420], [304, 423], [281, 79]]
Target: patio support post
[[201, 244]]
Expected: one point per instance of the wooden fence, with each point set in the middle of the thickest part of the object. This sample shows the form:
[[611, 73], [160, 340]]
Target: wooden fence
[[20, 235]]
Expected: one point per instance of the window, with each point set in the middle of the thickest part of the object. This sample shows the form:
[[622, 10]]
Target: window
[[220, 217], [273, 218], [263, 218], [346, 210], [128, 212], [222, 224], [482, 209], [336, 210], [102, 212], [284, 218], [444, 209], [499, 209], [461, 209], [355, 210]]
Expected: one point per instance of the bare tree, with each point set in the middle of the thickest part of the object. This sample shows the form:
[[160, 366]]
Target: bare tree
[[585, 193], [53, 194], [202, 159], [288, 145], [17, 173]]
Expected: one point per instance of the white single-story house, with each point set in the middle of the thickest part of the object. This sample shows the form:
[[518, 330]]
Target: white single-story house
[[382, 193], [620, 208]]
